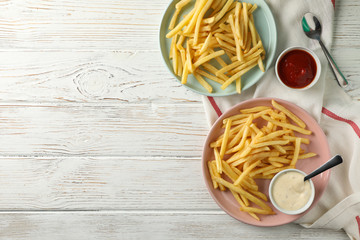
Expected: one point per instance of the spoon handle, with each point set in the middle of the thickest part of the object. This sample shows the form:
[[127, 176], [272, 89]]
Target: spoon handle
[[329, 164], [335, 69]]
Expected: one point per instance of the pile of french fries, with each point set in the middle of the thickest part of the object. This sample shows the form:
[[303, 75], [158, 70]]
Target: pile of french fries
[[247, 151], [215, 32]]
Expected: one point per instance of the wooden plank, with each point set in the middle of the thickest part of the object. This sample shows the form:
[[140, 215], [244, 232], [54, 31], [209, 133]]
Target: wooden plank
[[146, 225], [346, 59], [121, 25], [118, 77], [107, 130], [346, 24], [98, 24], [103, 183]]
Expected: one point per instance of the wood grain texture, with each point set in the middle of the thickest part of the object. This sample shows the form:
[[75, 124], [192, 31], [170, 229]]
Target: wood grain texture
[[346, 29], [111, 25], [97, 24], [65, 76], [347, 59], [145, 225], [103, 183], [103, 130]]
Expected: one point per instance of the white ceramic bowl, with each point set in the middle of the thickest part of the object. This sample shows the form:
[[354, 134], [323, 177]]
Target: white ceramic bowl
[[317, 61], [289, 212]]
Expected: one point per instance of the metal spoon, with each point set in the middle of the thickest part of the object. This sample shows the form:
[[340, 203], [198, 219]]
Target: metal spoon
[[312, 28], [336, 160]]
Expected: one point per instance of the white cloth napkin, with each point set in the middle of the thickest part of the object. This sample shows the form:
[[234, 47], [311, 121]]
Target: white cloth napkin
[[335, 111]]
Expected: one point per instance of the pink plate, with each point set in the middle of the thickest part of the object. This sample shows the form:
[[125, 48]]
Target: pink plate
[[318, 144]]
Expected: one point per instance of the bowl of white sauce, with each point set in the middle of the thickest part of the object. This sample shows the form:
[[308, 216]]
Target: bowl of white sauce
[[289, 193]]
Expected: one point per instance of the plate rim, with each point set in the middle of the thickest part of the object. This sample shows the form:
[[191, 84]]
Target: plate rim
[[204, 162], [270, 57]]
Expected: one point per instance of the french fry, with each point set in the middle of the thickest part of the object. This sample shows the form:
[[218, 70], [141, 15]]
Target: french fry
[[181, 4], [287, 125], [254, 216], [220, 61], [288, 113], [307, 155], [173, 19], [276, 170], [279, 148], [237, 138], [241, 145], [226, 45], [185, 73], [248, 42], [225, 139], [206, 44], [261, 64], [199, 19], [217, 5], [238, 198], [280, 160], [208, 20], [237, 20], [179, 66], [172, 46], [209, 76], [292, 139], [198, 7], [215, 184], [276, 164], [237, 75], [244, 199], [217, 175], [208, 58], [229, 171], [252, 9], [189, 64], [204, 83], [246, 172], [238, 85], [226, 38], [223, 10], [296, 152], [263, 144], [239, 52], [240, 190], [254, 109], [252, 31], [218, 161], [239, 65], [175, 60], [246, 23], [247, 57], [256, 210], [261, 170], [178, 27]]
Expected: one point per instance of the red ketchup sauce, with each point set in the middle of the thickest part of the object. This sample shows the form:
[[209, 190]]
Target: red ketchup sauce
[[297, 69]]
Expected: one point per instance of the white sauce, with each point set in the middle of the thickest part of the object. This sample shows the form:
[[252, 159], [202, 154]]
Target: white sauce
[[290, 192]]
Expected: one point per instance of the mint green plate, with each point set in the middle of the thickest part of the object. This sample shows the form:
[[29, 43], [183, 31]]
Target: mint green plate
[[265, 24]]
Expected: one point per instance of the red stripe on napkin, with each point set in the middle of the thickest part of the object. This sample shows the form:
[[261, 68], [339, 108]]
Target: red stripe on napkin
[[333, 2], [215, 106], [336, 117], [358, 222]]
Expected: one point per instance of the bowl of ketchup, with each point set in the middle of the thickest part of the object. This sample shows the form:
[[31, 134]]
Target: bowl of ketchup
[[298, 68]]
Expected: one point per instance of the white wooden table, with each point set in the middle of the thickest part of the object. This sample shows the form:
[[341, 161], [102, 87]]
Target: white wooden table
[[97, 139]]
